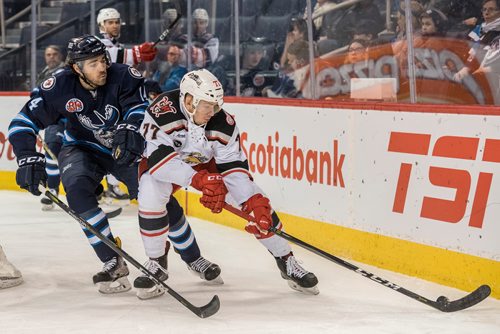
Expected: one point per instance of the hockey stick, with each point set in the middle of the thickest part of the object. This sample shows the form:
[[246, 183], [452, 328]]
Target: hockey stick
[[442, 303], [203, 312], [167, 31]]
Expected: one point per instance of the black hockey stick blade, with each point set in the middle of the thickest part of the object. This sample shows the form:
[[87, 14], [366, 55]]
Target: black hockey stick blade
[[203, 312], [165, 32], [476, 296], [113, 213], [441, 304]]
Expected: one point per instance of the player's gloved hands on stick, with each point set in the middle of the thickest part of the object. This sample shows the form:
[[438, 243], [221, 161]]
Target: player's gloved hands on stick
[[128, 144], [262, 213], [31, 172], [213, 188], [144, 52]]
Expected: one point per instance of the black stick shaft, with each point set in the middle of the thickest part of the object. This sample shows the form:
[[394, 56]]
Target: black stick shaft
[[203, 312], [446, 306], [164, 34]]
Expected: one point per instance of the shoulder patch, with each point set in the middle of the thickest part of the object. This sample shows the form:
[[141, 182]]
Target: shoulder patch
[[74, 105], [229, 119], [162, 106], [134, 72], [49, 83]]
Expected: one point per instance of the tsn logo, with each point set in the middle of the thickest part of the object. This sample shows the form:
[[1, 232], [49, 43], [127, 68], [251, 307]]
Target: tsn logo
[[454, 147]]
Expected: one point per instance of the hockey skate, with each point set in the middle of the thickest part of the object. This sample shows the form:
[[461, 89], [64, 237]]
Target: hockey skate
[[113, 277], [206, 270], [146, 287], [115, 192], [9, 275], [47, 203], [297, 277]]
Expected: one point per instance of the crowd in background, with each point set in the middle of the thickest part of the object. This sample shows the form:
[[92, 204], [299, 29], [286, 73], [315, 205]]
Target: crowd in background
[[269, 62]]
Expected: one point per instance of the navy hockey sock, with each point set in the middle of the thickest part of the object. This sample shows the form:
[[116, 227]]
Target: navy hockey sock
[[97, 218], [183, 240]]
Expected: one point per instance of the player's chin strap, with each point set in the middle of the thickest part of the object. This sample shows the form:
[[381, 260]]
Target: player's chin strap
[[82, 76]]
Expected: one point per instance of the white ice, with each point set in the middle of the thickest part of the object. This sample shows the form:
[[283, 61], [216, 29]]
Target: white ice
[[58, 296]]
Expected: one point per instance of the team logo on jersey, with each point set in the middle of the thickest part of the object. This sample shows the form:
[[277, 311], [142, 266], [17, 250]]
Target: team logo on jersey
[[195, 158], [162, 107], [177, 143], [229, 119], [74, 105], [49, 83], [258, 80], [98, 120], [135, 73]]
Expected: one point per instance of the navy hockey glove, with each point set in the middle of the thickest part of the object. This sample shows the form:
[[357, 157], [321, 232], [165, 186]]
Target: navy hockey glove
[[31, 172], [128, 144]]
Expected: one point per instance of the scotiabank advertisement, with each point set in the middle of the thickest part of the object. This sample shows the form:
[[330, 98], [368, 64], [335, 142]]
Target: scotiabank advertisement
[[431, 178]]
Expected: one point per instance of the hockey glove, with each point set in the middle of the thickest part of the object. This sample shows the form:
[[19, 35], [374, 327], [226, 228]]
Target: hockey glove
[[261, 211], [128, 144], [213, 188], [31, 172], [144, 52]]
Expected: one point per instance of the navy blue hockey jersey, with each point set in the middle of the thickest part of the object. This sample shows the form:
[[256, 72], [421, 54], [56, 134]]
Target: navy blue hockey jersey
[[91, 115]]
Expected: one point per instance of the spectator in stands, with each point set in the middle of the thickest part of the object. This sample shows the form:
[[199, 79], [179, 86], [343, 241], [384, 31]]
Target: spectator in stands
[[297, 31], [433, 23], [53, 63], [205, 50], [170, 73], [168, 17], [357, 51], [461, 14], [321, 8], [289, 84], [399, 46], [485, 37], [109, 22]]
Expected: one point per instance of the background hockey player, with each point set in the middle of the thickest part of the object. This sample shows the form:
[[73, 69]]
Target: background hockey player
[[190, 140], [109, 22], [104, 105]]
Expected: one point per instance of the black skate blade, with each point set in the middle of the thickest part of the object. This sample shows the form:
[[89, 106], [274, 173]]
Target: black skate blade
[[113, 213], [208, 310]]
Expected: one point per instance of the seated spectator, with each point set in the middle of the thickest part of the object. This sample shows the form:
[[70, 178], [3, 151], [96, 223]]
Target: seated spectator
[[485, 37], [170, 73], [54, 62], [318, 13], [399, 45], [289, 84], [461, 14], [168, 17], [357, 51], [297, 31], [433, 23]]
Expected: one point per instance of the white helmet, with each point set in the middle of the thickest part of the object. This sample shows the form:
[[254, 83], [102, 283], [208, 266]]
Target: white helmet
[[202, 85], [107, 14], [200, 14]]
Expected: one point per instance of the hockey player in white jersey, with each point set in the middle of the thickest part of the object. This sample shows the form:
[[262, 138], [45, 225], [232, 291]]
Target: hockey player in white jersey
[[109, 22], [192, 141], [9, 275]]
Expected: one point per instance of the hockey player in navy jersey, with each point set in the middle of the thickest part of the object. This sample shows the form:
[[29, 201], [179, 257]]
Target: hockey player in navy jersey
[[190, 140], [103, 105]]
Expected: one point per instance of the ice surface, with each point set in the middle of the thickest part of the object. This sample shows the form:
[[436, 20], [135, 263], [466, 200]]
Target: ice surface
[[58, 296]]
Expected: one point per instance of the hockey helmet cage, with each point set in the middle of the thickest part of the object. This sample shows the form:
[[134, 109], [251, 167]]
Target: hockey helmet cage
[[202, 85], [107, 14]]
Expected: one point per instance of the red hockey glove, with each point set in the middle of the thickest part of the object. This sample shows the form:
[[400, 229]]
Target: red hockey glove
[[144, 52], [261, 211], [213, 188]]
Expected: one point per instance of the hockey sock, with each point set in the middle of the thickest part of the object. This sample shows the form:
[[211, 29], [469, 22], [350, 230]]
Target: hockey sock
[[52, 170], [183, 240], [97, 218], [154, 231]]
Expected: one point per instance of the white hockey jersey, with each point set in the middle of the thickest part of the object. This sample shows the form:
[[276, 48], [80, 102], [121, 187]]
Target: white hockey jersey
[[117, 51], [174, 145]]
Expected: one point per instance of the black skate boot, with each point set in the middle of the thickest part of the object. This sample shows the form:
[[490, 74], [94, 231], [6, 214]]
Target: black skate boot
[[116, 193], [146, 287], [297, 277], [47, 203], [113, 277], [206, 270]]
